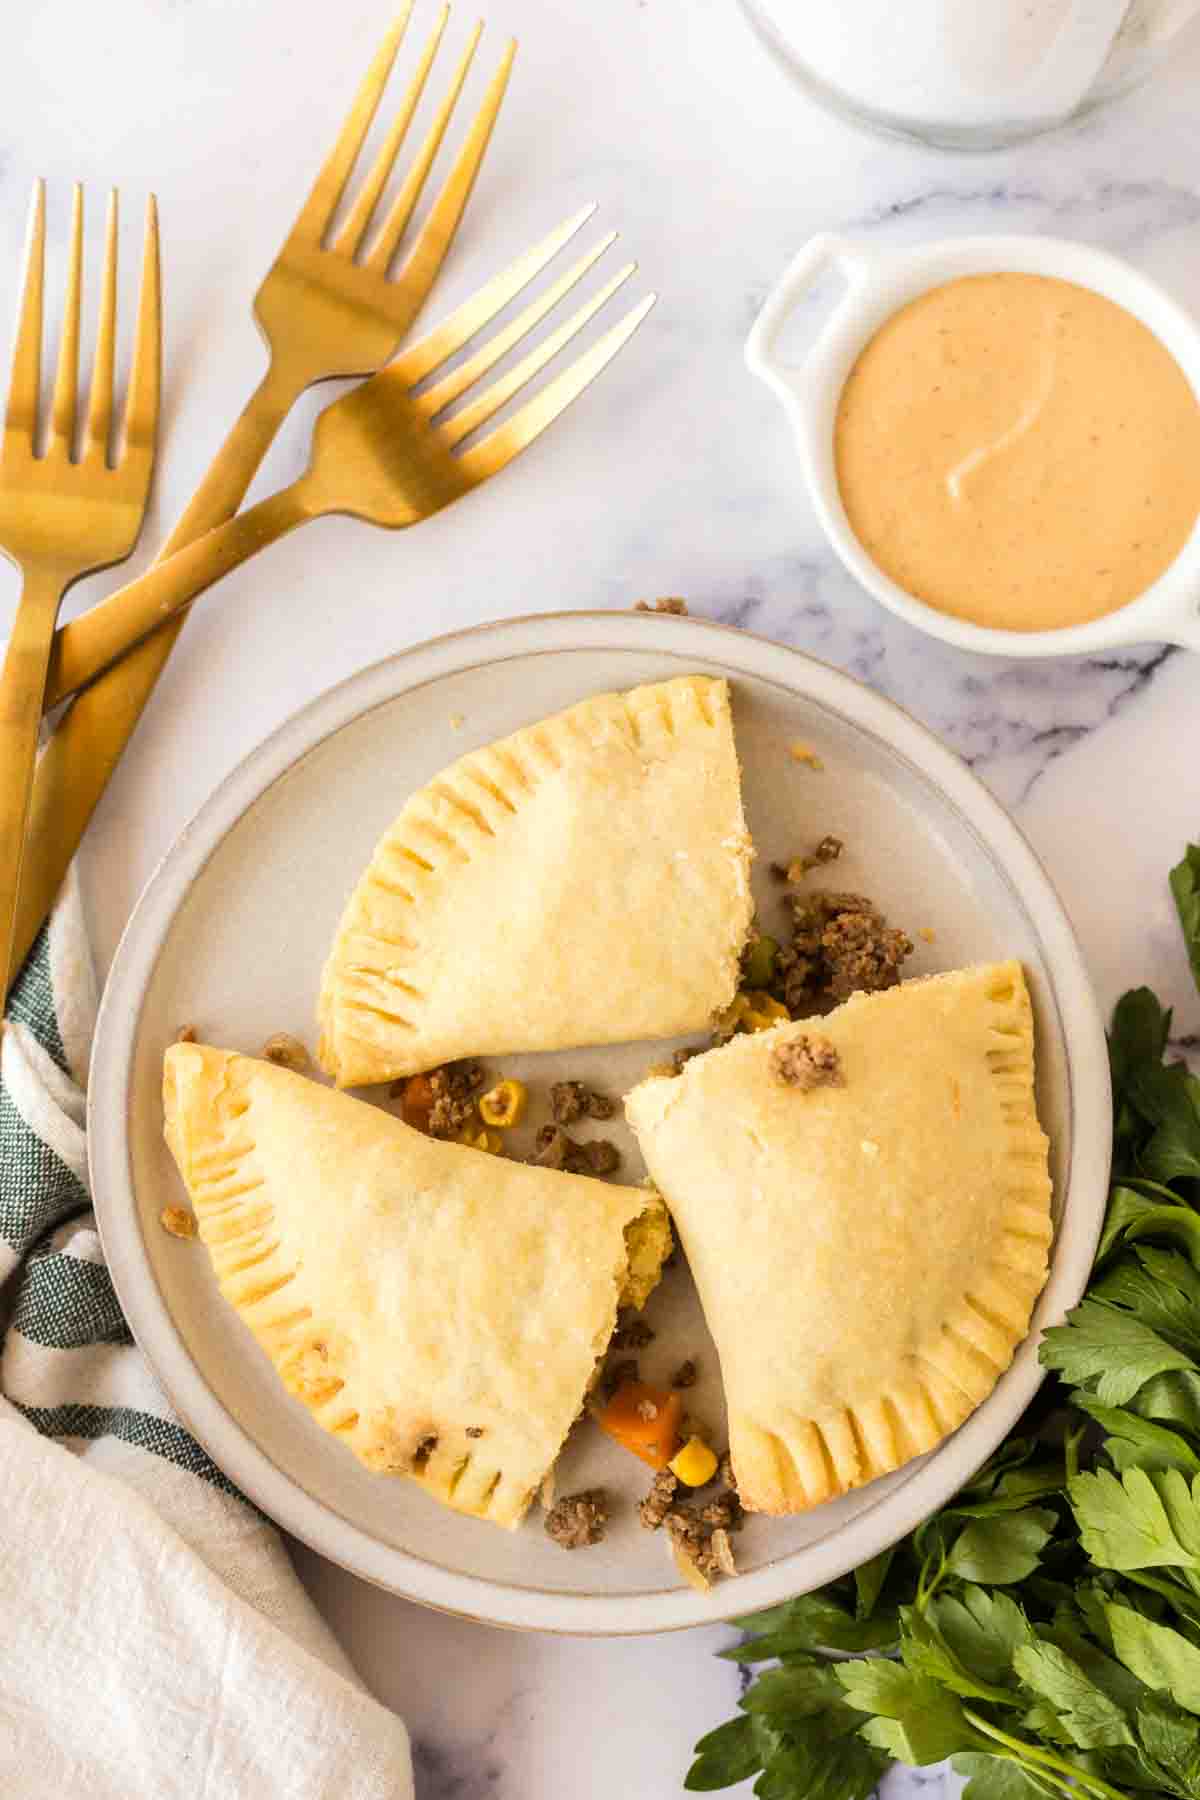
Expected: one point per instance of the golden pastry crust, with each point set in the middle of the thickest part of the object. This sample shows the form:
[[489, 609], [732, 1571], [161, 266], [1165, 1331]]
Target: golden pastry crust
[[868, 1254], [518, 901], [363, 1257]]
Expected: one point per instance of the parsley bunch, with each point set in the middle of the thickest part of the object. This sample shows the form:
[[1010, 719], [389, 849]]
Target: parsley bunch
[[1043, 1629]]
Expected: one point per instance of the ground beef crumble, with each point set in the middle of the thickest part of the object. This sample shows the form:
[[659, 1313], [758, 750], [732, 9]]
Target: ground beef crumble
[[555, 1150], [578, 1519], [618, 1373], [724, 1513], [653, 1510], [841, 945], [826, 851], [633, 1335], [455, 1088], [806, 1062], [571, 1100], [670, 604], [700, 1534], [685, 1374], [694, 1542], [441, 1102], [287, 1052]]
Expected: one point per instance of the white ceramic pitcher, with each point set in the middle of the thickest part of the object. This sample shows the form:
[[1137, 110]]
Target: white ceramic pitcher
[[970, 74]]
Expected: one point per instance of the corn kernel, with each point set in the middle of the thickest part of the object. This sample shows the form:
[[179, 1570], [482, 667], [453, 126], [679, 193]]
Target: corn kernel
[[479, 1140], [695, 1464], [762, 1011], [504, 1105]]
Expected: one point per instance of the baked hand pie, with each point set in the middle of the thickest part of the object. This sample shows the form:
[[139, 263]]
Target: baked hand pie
[[864, 1200], [440, 1310], [518, 902]]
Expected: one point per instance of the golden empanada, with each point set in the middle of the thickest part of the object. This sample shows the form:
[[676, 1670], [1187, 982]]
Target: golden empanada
[[585, 881], [869, 1243], [440, 1310]]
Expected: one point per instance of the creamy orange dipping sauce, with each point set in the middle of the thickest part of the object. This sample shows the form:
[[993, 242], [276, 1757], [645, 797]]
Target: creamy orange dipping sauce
[[1019, 451]]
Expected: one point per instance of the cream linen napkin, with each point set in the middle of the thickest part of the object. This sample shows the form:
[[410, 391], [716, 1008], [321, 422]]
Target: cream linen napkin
[[155, 1640]]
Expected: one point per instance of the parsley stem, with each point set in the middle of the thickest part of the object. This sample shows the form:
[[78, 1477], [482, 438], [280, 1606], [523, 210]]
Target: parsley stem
[[1041, 1778], [1083, 1779], [926, 1591]]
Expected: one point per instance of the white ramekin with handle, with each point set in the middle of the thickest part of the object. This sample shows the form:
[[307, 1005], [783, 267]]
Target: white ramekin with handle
[[877, 284]]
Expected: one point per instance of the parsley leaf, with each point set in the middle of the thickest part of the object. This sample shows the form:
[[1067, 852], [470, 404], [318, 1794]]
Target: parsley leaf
[[1172, 1744], [1136, 1443], [729, 1754], [1109, 1351], [1173, 1398], [869, 1578], [1132, 1215], [808, 1767], [926, 1652], [915, 1719], [1125, 1524], [1002, 1549], [1185, 886], [997, 1778], [812, 1622], [1137, 1036], [1161, 1291], [797, 1691], [1161, 1288], [1167, 1095], [1157, 1654], [982, 1630], [1090, 1719]]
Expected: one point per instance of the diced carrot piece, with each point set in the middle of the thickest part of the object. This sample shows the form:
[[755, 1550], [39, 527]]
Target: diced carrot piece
[[645, 1420], [416, 1101]]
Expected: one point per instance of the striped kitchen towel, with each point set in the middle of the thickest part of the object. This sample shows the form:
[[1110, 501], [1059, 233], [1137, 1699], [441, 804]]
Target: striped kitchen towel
[[156, 1640]]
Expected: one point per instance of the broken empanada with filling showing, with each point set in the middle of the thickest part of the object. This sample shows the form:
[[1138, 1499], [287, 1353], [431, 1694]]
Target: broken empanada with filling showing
[[518, 901], [440, 1310], [864, 1200]]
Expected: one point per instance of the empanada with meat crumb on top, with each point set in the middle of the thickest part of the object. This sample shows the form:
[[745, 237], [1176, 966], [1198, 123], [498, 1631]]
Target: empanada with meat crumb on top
[[864, 1201]]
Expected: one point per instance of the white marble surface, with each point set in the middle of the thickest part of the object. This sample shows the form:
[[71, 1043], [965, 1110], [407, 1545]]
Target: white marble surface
[[673, 476]]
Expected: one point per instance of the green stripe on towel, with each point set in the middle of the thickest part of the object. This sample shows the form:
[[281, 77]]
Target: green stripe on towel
[[159, 1436]]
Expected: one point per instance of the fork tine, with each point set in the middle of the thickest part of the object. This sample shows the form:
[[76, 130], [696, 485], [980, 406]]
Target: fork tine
[[350, 237], [328, 188], [141, 404], [99, 419], [437, 233], [435, 399], [66, 377], [516, 434], [500, 392], [429, 352], [25, 380]]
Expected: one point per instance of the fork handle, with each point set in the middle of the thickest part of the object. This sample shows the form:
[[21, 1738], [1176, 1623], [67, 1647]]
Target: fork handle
[[215, 500], [88, 741], [140, 608], [22, 683]]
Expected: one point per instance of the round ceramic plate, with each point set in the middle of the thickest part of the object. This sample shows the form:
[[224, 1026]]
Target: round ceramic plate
[[230, 937]]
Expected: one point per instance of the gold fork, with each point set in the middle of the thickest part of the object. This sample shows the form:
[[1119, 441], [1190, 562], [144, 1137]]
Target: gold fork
[[324, 310], [384, 452], [61, 518]]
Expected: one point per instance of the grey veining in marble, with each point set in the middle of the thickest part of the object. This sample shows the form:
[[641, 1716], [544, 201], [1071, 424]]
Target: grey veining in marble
[[674, 475]]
